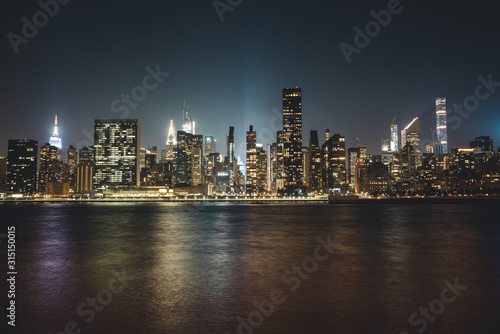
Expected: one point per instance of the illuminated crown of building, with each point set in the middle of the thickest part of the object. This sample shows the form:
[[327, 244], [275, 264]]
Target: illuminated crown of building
[[171, 133], [55, 139]]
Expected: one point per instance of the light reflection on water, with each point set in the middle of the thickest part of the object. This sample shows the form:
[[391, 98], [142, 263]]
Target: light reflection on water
[[200, 266]]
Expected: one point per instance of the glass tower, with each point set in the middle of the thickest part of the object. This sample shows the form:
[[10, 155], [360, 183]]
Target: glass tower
[[442, 134]]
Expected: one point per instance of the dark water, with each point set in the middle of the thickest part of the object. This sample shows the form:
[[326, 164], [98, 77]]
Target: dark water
[[198, 268]]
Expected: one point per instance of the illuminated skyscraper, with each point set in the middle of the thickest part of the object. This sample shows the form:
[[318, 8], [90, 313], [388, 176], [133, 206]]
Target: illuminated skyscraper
[[394, 145], [49, 170], [55, 139], [170, 150], [189, 157], [230, 155], [292, 138], [251, 162], [209, 146], [22, 166], [441, 130], [412, 134], [315, 160], [116, 152], [327, 134], [187, 123], [334, 164]]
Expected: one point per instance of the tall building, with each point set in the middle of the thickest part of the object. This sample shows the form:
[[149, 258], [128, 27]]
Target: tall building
[[55, 139], [411, 133], [261, 169], [116, 152], [327, 134], [84, 174], [334, 164], [189, 147], [251, 161], [50, 168], [292, 138], [169, 153], [356, 155], [3, 175], [314, 161], [441, 130], [187, 123], [209, 146], [394, 146], [231, 166], [72, 164], [22, 166]]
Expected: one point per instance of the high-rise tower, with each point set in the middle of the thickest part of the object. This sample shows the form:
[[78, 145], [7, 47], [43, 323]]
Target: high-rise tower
[[187, 123], [411, 134], [55, 139], [292, 138], [441, 128], [394, 144]]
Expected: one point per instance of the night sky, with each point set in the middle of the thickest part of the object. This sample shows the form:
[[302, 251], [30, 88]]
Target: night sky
[[232, 72]]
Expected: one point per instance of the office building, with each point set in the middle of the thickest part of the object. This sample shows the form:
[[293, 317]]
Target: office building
[[251, 162], [292, 138], [22, 166], [334, 164], [116, 152]]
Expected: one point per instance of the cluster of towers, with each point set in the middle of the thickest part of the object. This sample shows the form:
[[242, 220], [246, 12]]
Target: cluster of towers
[[190, 163]]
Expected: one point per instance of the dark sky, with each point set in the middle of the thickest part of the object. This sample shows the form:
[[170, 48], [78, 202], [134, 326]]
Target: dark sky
[[232, 72]]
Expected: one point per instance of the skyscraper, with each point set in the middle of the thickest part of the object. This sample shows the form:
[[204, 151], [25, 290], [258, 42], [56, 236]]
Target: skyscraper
[[72, 164], [116, 152], [411, 133], [209, 146], [187, 123], [50, 169], [230, 155], [292, 138], [3, 175], [55, 139], [334, 163], [441, 130], [327, 134], [394, 146], [189, 156], [251, 161], [315, 160], [22, 166]]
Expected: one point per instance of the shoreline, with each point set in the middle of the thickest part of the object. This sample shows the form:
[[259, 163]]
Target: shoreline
[[337, 200]]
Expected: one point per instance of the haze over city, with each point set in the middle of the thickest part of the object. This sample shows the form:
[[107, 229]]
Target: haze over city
[[232, 71]]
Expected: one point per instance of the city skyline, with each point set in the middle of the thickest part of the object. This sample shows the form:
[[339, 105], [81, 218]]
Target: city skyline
[[230, 71]]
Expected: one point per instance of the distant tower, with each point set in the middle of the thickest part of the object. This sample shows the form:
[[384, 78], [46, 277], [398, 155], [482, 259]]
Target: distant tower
[[441, 128], [292, 138], [411, 134], [187, 123], [171, 139], [327, 134], [394, 145], [55, 139]]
